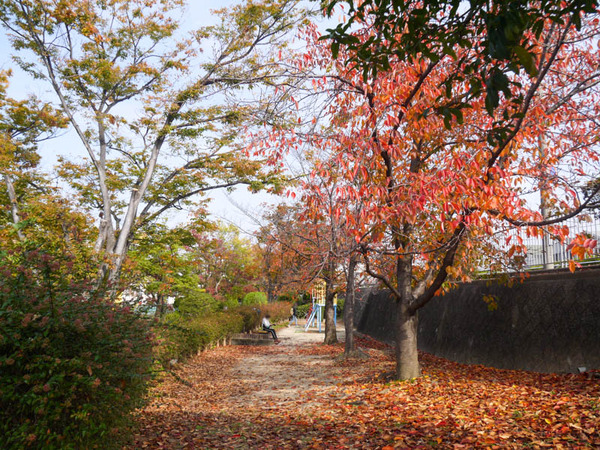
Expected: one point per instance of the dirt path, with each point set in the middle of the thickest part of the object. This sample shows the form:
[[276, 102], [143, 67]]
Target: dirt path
[[249, 396], [284, 372], [301, 395]]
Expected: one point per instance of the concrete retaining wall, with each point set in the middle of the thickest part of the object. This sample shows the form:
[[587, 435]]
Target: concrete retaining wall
[[549, 323]]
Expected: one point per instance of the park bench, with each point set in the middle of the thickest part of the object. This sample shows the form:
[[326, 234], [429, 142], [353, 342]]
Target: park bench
[[252, 338]]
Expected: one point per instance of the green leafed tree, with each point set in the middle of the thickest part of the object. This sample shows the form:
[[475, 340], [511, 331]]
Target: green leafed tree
[[23, 124], [157, 114], [161, 267], [226, 263], [255, 298]]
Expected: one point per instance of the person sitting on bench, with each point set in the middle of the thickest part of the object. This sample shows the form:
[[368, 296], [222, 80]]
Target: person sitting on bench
[[266, 325]]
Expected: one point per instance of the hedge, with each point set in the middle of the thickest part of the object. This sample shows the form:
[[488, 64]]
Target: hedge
[[196, 304], [182, 337]]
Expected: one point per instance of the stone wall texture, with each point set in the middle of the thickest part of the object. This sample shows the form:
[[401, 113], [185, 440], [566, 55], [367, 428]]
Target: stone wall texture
[[548, 323]]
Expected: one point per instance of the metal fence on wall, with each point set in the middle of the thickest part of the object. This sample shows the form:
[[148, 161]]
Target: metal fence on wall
[[545, 253]]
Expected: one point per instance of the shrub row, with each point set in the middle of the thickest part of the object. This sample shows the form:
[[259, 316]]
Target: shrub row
[[73, 363], [201, 303], [183, 335]]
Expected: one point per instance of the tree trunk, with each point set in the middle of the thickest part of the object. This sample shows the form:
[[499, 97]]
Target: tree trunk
[[407, 357], [270, 290], [330, 331], [349, 349], [14, 206], [102, 235]]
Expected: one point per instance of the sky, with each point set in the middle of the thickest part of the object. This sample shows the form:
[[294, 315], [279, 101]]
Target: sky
[[240, 207]]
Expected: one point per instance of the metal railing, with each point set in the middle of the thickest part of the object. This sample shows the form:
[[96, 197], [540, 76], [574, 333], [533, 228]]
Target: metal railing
[[547, 253]]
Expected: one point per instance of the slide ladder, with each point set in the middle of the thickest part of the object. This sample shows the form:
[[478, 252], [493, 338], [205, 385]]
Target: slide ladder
[[311, 318]]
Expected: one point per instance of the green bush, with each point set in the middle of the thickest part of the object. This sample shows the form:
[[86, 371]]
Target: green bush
[[230, 302], [182, 337], [177, 340], [255, 298], [72, 364], [285, 298], [196, 304], [340, 306], [302, 310], [251, 317]]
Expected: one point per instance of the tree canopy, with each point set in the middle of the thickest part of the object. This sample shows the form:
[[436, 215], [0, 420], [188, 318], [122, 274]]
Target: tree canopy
[[503, 38], [159, 114], [437, 188]]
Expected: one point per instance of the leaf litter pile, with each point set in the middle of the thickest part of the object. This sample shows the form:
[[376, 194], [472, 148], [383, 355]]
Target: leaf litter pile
[[287, 397]]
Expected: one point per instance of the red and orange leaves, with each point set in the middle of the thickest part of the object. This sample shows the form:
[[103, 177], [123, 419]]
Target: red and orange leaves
[[308, 398]]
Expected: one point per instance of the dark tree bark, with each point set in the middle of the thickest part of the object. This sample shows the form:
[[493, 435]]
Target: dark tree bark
[[407, 357], [349, 348], [330, 331]]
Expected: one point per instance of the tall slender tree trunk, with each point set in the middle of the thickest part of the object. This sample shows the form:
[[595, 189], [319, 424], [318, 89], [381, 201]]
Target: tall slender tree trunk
[[161, 306], [349, 348], [270, 289], [330, 331], [14, 206]]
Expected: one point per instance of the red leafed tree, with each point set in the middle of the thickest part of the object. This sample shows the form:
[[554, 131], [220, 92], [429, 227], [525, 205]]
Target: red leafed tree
[[440, 187], [438, 182], [326, 201], [283, 258], [308, 242], [324, 213]]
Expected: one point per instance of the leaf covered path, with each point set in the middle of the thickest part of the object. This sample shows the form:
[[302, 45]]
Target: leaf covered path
[[299, 395]]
